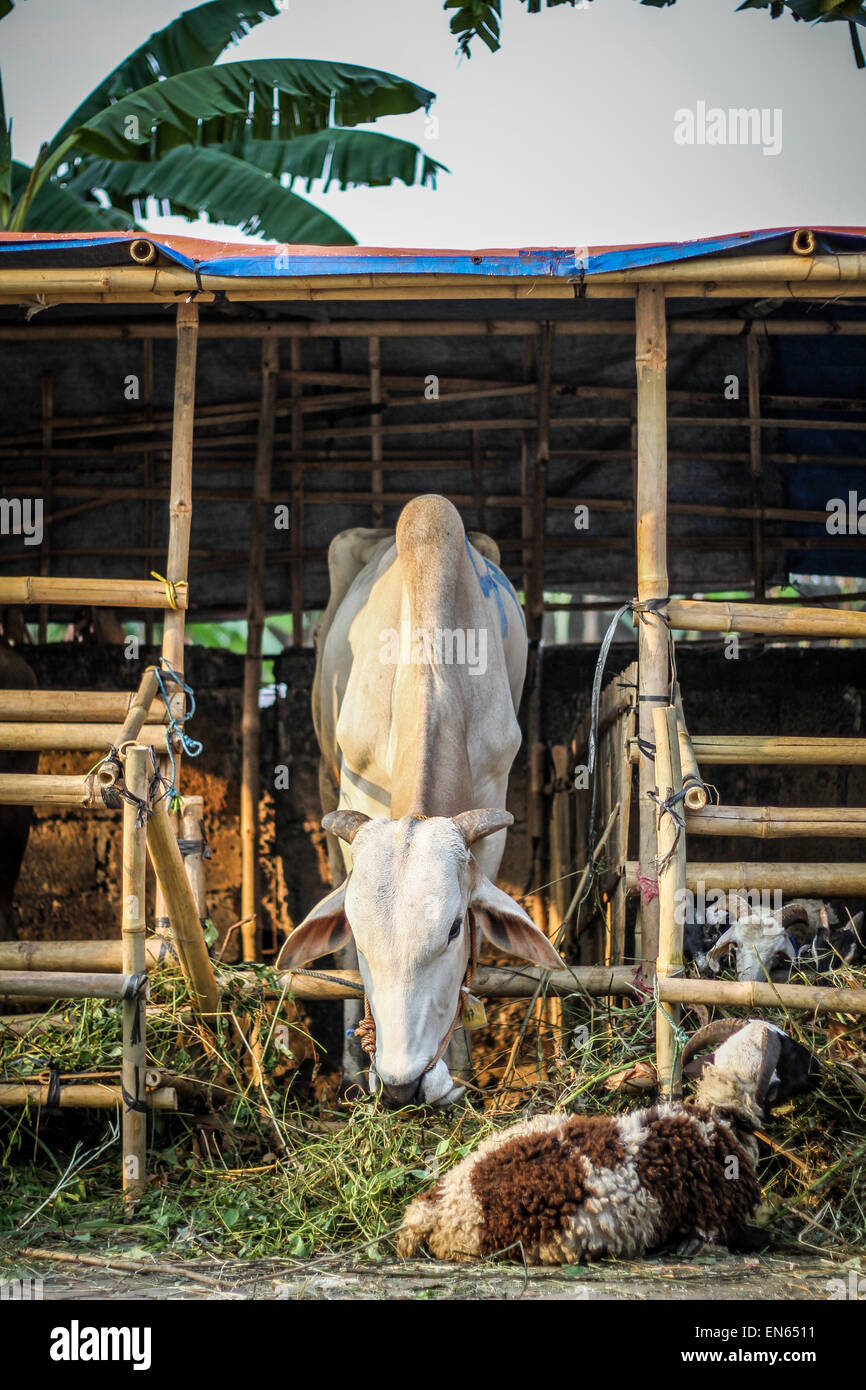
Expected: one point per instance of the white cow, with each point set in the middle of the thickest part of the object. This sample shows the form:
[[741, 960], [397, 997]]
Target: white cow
[[420, 664]]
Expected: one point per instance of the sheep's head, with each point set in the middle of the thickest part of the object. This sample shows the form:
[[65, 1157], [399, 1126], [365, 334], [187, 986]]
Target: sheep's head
[[761, 940], [755, 1066]]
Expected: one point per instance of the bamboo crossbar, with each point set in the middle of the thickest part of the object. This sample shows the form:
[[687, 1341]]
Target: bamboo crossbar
[[56, 984], [755, 748], [73, 707], [87, 956], [98, 593], [489, 982], [48, 789], [75, 738], [762, 994], [771, 749], [81, 1095], [778, 822], [699, 615], [149, 329], [796, 879]]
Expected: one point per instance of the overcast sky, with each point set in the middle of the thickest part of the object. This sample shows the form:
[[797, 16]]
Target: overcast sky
[[565, 137]]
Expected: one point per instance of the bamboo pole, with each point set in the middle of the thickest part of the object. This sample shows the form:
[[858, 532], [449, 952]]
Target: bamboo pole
[[297, 514], [180, 503], [86, 956], [192, 849], [143, 329], [74, 738], [672, 881], [47, 498], [48, 789], [489, 982], [134, 962], [148, 465], [779, 822], [56, 984], [195, 962], [535, 600], [81, 1096], [93, 593], [652, 576], [756, 748], [754, 398], [251, 719], [796, 879], [375, 427], [698, 615], [478, 482], [763, 995], [697, 795], [73, 707]]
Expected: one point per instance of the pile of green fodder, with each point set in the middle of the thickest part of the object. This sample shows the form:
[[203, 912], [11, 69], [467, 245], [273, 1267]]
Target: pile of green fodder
[[252, 1165]]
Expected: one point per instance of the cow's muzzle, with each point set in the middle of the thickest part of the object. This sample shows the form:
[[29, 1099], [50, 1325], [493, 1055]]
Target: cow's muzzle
[[403, 1093]]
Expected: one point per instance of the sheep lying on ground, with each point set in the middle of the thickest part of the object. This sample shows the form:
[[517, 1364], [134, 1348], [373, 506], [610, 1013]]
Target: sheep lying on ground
[[572, 1188]]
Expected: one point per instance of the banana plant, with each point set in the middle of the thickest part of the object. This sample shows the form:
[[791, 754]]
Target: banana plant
[[227, 141], [482, 19]]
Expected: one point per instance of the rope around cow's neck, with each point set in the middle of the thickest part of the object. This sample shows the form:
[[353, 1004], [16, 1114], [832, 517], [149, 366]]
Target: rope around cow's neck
[[366, 1030]]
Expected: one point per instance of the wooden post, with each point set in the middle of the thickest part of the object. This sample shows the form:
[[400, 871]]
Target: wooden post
[[297, 515], [478, 483], [376, 484], [652, 575], [754, 392], [47, 498], [672, 882], [134, 962], [189, 941], [251, 722], [535, 605]]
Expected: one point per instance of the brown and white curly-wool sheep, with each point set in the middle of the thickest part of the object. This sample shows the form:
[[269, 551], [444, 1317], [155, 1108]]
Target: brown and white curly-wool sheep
[[572, 1188]]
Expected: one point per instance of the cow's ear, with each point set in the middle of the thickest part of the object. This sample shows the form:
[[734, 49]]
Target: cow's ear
[[323, 930], [504, 922]]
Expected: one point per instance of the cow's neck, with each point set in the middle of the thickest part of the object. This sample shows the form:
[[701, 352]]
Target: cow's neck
[[431, 773]]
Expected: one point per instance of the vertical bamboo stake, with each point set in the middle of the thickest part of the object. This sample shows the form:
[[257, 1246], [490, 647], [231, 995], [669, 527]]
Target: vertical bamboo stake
[[297, 569], [754, 380], [672, 882], [147, 467], [652, 576], [133, 962], [192, 832], [376, 485], [251, 720], [180, 507], [47, 497], [542, 459], [180, 522]]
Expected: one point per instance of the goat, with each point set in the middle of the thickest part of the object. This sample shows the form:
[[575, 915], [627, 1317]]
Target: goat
[[570, 1188], [832, 946], [762, 940]]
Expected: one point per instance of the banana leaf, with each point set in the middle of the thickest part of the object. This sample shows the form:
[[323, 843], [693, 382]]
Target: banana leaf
[[264, 98], [193, 40]]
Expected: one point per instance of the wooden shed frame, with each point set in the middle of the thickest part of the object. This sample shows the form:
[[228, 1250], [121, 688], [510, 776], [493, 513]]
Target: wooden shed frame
[[800, 274]]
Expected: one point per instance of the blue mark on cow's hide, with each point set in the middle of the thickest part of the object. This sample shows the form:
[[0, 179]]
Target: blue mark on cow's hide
[[491, 581]]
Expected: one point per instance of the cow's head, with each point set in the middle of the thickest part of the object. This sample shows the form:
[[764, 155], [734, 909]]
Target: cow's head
[[413, 897]]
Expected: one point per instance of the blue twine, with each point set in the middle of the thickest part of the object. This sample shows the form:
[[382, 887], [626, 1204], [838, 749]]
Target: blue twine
[[191, 746]]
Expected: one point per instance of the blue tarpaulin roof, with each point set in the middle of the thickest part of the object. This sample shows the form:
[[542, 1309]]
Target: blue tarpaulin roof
[[274, 261]]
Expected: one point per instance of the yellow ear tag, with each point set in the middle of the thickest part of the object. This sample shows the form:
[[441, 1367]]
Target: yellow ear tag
[[473, 1015]]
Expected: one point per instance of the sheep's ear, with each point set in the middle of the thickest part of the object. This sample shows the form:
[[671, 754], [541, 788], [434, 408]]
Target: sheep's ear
[[504, 922], [323, 930]]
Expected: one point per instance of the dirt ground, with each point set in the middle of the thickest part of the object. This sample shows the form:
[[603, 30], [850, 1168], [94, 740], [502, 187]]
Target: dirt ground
[[713, 1274]]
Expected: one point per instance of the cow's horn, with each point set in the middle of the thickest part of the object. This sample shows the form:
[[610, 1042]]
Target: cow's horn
[[345, 824], [711, 1035], [474, 825]]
